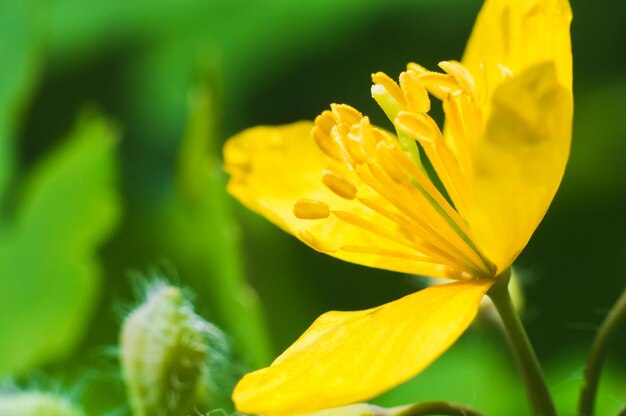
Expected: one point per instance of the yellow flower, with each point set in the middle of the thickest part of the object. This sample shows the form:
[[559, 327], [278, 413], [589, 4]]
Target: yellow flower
[[362, 194]]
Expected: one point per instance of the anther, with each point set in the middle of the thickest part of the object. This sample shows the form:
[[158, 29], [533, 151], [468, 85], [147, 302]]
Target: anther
[[439, 85], [415, 126], [321, 134], [417, 68], [338, 184], [387, 94], [460, 74], [346, 115], [389, 85], [354, 147], [310, 209], [415, 93]]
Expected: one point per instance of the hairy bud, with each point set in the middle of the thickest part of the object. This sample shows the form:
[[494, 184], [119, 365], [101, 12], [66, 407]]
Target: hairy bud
[[36, 404], [163, 352]]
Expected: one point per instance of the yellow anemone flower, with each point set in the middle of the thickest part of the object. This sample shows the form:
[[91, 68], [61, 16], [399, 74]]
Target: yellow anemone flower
[[362, 194]]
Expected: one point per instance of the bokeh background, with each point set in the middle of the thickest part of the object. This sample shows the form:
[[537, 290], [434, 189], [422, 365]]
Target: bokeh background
[[112, 118]]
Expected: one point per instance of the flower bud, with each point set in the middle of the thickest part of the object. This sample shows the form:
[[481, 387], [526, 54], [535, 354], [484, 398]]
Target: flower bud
[[163, 352], [36, 404]]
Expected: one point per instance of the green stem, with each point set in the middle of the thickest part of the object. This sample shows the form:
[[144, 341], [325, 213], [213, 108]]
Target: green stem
[[536, 386], [596, 356], [439, 408]]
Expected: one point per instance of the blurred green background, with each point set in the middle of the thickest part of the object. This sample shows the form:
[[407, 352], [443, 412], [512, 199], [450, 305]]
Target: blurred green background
[[112, 117]]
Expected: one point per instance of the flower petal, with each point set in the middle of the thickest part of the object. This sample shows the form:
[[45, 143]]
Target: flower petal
[[272, 167], [345, 357], [282, 174], [518, 34], [519, 161], [358, 409]]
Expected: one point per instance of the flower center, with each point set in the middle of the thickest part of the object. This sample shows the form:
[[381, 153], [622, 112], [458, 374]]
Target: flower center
[[385, 174]]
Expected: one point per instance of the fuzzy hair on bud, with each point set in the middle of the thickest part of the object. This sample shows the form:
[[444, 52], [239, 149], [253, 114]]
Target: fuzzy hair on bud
[[37, 404], [164, 351]]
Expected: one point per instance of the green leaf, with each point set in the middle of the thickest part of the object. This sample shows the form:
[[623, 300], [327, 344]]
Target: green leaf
[[476, 371], [207, 225], [565, 371], [48, 267], [18, 49]]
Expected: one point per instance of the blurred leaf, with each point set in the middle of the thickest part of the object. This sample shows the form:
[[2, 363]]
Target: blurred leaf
[[474, 372], [252, 42], [565, 376], [18, 49], [48, 271], [596, 167], [79, 30], [209, 231]]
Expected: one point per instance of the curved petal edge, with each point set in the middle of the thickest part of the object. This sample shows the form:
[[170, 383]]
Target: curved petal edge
[[347, 357]]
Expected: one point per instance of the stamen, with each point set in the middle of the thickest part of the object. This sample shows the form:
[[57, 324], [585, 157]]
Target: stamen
[[310, 209], [338, 184], [415, 93], [473, 121], [386, 252], [354, 147], [412, 230], [385, 100], [345, 115], [421, 218], [440, 85], [388, 164], [415, 125], [409, 200], [371, 227], [442, 220], [325, 121], [440, 156], [321, 134], [340, 133], [417, 68], [390, 86], [314, 242], [434, 223], [460, 74], [462, 123], [368, 141], [429, 189]]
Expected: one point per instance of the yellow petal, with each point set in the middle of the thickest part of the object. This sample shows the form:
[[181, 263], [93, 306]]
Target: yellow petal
[[359, 409], [518, 34], [269, 168], [282, 174], [345, 357], [519, 162]]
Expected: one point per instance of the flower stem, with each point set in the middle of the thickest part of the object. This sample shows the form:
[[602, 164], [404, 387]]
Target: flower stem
[[596, 356], [439, 408], [536, 386]]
